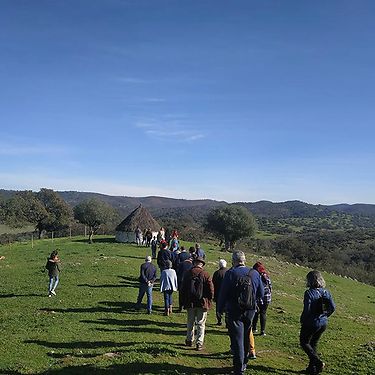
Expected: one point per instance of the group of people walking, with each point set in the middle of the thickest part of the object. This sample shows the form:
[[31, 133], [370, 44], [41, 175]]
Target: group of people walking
[[242, 296]]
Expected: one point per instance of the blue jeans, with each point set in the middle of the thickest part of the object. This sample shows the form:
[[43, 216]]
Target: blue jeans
[[239, 331], [144, 288], [53, 282], [168, 298]]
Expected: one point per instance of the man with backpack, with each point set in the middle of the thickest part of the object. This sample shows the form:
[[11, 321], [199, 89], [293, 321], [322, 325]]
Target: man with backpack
[[240, 289], [197, 294]]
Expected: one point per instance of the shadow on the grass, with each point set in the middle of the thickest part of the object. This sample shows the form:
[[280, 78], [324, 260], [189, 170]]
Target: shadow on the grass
[[119, 308], [136, 368], [126, 282], [96, 240]]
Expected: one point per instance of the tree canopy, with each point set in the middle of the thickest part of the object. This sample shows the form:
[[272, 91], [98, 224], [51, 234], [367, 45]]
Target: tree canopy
[[93, 213], [45, 209], [231, 223]]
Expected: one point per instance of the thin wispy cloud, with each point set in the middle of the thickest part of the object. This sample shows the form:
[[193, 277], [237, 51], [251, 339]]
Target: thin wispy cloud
[[162, 130], [134, 80], [25, 150], [154, 100]]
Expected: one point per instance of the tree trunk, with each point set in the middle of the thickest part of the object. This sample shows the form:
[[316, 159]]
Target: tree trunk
[[91, 235]]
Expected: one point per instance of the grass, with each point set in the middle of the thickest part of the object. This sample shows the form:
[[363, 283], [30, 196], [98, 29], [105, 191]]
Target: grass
[[90, 327]]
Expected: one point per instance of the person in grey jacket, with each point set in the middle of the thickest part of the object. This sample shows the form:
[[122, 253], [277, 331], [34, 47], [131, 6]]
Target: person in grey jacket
[[168, 285]]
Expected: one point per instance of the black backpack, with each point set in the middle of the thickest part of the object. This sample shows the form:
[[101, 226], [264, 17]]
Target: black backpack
[[197, 286], [244, 292]]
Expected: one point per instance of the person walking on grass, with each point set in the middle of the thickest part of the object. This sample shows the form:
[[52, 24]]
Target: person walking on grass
[[240, 289], [197, 294], [262, 304], [318, 305], [53, 268], [147, 279], [217, 279], [154, 247], [168, 285]]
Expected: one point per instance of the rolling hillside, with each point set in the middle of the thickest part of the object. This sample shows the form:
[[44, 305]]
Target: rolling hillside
[[91, 326]]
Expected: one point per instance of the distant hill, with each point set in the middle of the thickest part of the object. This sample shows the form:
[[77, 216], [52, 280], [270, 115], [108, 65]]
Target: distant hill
[[267, 209]]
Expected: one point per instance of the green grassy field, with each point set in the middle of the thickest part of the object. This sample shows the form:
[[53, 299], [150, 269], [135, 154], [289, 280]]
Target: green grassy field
[[90, 327]]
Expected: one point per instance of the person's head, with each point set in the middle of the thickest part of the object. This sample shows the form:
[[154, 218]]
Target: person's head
[[168, 264], [182, 248], [222, 263], [148, 259], [238, 258], [191, 249], [259, 267], [164, 245], [54, 254], [199, 262], [314, 279], [197, 245]]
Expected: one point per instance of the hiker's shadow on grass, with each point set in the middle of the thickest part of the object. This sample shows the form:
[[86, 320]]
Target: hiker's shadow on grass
[[126, 282], [142, 257], [119, 307], [131, 282], [80, 344], [97, 240], [12, 295], [133, 323], [271, 370], [96, 286], [136, 368]]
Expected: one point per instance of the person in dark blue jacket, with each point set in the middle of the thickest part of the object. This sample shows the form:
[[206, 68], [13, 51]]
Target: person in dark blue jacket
[[147, 277], [318, 305], [239, 320]]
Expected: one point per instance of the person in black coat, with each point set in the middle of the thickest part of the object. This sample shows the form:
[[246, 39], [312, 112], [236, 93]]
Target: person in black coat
[[217, 279]]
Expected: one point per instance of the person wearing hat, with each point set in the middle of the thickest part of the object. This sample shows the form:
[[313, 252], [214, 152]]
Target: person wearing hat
[[197, 294]]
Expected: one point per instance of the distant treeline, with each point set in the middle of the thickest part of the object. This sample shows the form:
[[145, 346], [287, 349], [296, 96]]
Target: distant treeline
[[348, 253]]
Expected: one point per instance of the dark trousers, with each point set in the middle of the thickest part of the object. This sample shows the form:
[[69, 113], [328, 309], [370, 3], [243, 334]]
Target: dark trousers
[[239, 331], [262, 315], [309, 337]]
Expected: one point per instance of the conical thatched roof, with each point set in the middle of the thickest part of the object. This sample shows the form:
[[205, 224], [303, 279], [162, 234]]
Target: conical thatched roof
[[139, 217]]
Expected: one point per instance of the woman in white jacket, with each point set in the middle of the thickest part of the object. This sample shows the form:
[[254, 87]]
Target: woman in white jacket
[[168, 285]]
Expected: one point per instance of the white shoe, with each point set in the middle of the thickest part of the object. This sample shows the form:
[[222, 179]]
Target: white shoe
[[53, 292], [49, 295]]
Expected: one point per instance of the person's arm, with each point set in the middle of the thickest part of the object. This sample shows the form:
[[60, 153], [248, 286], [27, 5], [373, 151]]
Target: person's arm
[[257, 281], [143, 274], [332, 306], [153, 276], [306, 307]]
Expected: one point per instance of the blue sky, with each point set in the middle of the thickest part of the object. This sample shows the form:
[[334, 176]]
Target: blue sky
[[237, 101]]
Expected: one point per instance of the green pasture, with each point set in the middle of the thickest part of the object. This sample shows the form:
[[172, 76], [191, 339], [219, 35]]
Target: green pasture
[[91, 327]]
